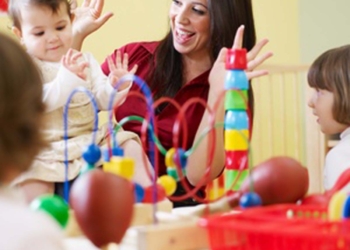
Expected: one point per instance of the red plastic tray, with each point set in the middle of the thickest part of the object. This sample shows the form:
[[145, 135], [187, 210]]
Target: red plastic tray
[[277, 227]]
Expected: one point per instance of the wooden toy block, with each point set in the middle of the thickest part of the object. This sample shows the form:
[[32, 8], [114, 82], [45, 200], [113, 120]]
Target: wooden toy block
[[179, 235], [143, 212]]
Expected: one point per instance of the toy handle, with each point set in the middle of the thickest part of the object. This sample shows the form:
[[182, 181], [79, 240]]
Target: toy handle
[[343, 179]]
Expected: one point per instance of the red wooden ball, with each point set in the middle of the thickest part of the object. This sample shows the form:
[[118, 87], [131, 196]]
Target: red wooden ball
[[278, 180], [103, 206]]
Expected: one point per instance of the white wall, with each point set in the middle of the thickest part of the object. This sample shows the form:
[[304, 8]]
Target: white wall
[[323, 24]]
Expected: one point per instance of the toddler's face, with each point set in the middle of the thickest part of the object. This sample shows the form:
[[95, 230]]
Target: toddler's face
[[46, 35], [321, 103]]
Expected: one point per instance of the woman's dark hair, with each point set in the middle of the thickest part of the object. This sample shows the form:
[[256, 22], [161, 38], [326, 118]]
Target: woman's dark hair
[[166, 76]]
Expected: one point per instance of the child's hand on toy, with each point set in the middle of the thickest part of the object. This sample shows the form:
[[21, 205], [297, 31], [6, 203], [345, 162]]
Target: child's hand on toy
[[120, 69], [70, 62]]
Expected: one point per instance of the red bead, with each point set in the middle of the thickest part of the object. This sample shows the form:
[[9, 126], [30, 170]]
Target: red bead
[[149, 192], [236, 59], [234, 159]]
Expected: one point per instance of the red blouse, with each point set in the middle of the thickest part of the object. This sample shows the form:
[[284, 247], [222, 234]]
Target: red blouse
[[141, 54]]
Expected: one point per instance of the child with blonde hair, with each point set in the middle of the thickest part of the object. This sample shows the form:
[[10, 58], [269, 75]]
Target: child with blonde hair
[[21, 115]]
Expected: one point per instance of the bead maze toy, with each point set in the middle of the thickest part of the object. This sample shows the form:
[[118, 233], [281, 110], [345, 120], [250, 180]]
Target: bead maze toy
[[109, 208]]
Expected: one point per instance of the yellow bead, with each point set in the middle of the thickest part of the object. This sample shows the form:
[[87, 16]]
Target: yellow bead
[[236, 139], [169, 158], [123, 166], [215, 193], [336, 205], [168, 183]]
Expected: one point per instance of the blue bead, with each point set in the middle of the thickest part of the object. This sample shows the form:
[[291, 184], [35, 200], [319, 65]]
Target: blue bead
[[236, 119], [236, 79], [250, 199], [117, 151], [139, 193], [92, 154], [180, 156], [106, 156], [346, 208]]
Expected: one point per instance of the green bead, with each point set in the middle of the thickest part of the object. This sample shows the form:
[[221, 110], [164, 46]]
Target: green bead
[[236, 100], [231, 176], [54, 205], [86, 168], [173, 173]]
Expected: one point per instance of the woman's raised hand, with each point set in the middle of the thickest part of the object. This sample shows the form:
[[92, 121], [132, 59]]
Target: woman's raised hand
[[253, 57], [218, 72], [88, 18]]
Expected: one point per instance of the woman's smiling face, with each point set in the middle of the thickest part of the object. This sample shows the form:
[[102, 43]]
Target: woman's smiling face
[[190, 24]]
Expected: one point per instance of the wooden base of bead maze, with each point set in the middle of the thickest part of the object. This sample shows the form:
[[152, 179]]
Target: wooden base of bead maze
[[172, 232], [182, 234]]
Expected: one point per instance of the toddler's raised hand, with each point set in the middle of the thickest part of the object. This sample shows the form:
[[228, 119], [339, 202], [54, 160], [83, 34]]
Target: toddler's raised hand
[[70, 62], [119, 69]]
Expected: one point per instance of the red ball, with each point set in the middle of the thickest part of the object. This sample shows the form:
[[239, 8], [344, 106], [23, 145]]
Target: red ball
[[278, 180], [103, 206]]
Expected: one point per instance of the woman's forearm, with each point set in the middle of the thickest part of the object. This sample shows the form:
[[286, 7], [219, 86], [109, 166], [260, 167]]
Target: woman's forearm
[[198, 160]]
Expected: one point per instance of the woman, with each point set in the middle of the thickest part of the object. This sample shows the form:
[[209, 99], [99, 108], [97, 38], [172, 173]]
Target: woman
[[181, 66]]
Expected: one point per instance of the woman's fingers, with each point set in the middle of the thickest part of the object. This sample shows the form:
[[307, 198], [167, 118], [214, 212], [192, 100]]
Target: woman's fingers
[[256, 49], [258, 61], [256, 73], [237, 43]]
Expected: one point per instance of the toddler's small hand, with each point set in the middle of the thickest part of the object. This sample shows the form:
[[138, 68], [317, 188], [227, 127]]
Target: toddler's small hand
[[119, 69], [70, 61]]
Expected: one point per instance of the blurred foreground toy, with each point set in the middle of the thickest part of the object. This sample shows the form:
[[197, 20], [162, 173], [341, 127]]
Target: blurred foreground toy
[[103, 205], [53, 205], [324, 198], [277, 180]]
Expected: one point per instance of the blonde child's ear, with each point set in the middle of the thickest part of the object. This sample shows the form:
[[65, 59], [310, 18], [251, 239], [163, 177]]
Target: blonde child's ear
[[17, 32]]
